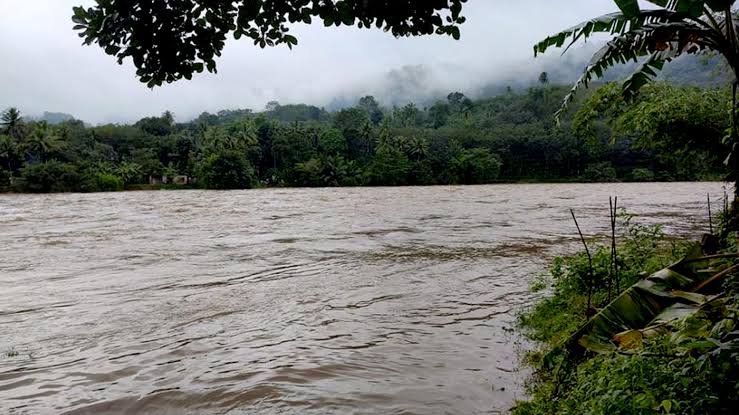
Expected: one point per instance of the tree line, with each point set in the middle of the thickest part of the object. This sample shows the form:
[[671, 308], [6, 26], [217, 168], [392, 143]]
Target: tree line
[[670, 133]]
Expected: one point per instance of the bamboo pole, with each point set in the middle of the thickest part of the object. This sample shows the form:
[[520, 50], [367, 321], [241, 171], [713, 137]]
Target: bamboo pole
[[590, 261], [614, 254], [710, 219]]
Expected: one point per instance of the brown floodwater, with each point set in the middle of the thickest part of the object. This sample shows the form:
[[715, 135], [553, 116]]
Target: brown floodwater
[[288, 301]]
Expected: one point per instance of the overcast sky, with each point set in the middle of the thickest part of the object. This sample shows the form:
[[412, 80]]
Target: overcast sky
[[43, 66]]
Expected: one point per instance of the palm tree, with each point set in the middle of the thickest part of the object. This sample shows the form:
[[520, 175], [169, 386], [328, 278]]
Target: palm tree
[[399, 142], [417, 147], [41, 142], [335, 168], [8, 150], [12, 123], [216, 138], [365, 134], [384, 138], [242, 135]]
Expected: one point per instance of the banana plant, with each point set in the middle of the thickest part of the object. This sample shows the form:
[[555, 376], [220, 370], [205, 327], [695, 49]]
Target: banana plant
[[653, 36]]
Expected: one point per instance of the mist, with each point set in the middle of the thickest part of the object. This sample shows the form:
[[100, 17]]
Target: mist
[[45, 68]]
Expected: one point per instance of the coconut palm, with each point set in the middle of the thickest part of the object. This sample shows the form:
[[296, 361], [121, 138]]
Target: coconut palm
[[216, 138], [8, 151], [335, 169], [365, 134], [41, 142], [242, 135], [417, 147], [399, 142], [12, 123], [384, 138]]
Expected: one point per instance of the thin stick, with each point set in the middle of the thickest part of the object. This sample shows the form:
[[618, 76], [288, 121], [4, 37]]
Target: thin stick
[[710, 220], [610, 264], [590, 259], [614, 253], [726, 204]]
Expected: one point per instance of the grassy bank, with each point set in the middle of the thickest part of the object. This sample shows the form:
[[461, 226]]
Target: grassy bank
[[691, 368]]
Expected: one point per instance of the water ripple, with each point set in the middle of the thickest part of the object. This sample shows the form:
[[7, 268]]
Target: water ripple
[[289, 301]]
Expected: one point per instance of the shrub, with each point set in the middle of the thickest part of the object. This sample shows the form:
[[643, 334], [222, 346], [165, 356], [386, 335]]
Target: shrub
[[389, 167], [50, 176], [642, 175], [227, 170], [4, 178], [600, 172], [108, 182], [475, 166]]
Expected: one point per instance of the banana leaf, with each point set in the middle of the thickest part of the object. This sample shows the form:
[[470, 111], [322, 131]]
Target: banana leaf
[[643, 308]]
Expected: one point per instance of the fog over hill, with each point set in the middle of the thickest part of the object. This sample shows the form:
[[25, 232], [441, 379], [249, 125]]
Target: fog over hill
[[424, 84], [51, 117]]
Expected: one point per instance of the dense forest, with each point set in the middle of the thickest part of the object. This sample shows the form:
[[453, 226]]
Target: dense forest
[[670, 133]]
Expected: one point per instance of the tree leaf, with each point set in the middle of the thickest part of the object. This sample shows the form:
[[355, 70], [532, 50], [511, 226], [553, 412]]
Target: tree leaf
[[629, 8], [290, 40], [112, 49], [454, 30], [186, 30], [691, 7]]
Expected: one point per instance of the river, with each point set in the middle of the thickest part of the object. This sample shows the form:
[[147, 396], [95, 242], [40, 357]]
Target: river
[[289, 301]]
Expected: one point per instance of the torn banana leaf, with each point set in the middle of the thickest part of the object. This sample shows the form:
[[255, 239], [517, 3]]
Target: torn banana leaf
[[646, 307]]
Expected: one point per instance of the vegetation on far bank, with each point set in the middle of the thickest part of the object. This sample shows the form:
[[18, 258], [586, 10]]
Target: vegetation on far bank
[[507, 138], [692, 369]]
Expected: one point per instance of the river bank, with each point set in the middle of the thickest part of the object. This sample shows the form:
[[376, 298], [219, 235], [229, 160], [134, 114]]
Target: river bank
[[687, 366], [119, 187]]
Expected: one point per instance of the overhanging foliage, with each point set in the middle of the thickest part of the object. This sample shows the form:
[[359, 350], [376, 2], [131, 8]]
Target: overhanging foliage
[[656, 36], [171, 40]]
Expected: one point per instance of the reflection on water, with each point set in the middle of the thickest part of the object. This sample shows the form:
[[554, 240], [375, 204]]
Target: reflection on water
[[368, 301]]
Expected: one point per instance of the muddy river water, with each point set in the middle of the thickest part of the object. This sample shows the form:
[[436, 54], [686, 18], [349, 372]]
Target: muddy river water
[[288, 301]]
